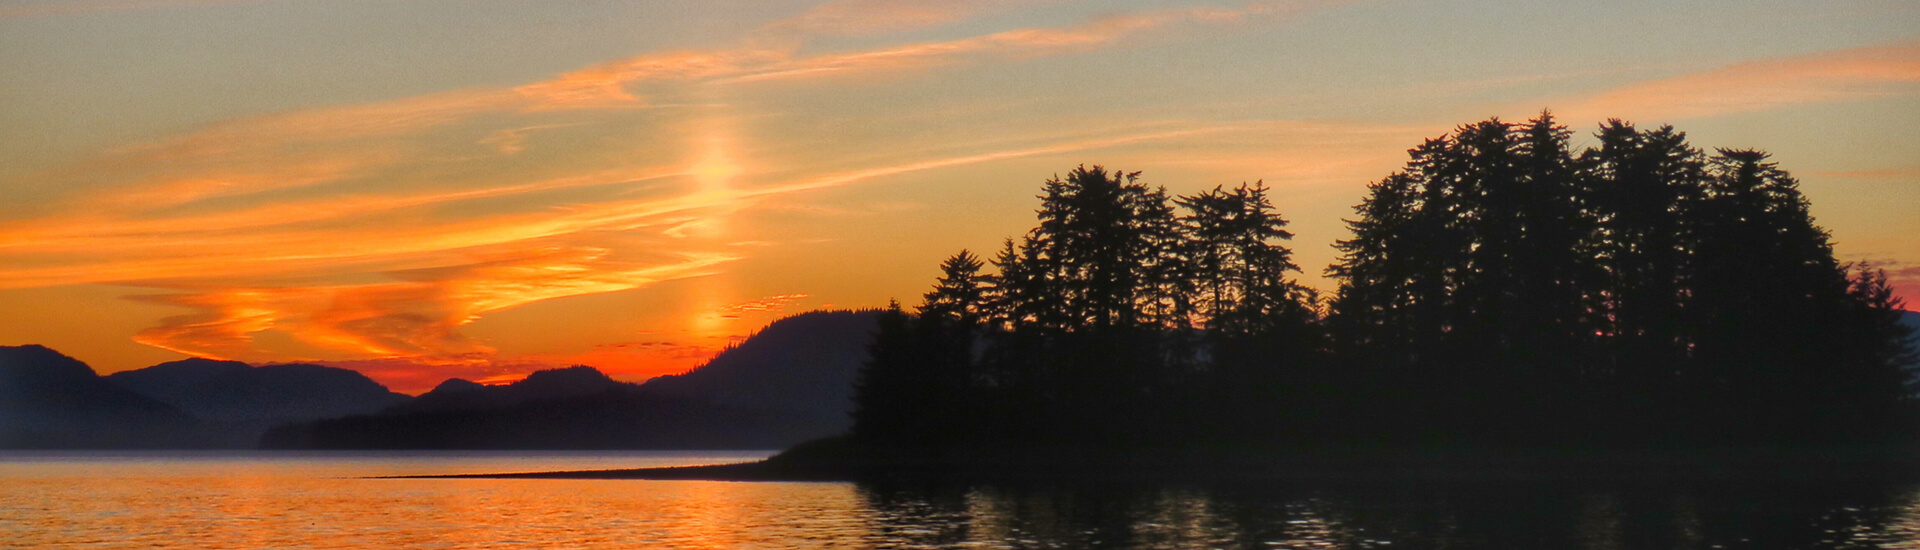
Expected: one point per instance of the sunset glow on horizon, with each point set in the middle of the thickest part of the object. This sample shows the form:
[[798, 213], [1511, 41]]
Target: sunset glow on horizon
[[435, 188]]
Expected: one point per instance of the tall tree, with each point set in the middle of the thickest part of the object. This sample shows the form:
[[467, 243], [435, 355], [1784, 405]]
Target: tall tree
[[1241, 271], [1882, 355], [1482, 176], [891, 387], [1777, 322], [1551, 319], [947, 333], [960, 294], [1262, 332], [1640, 185], [1099, 241], [1370, 313]]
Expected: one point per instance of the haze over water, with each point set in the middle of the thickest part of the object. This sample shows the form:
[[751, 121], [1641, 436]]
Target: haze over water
[[320, 500]]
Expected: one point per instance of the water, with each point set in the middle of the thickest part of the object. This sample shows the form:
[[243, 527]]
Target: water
[[319, 500]]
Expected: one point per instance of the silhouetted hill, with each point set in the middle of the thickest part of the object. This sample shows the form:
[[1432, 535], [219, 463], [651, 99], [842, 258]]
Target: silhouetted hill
[[238, 402], [804, 364], [787, 384], [455, 385], [461, 395], [51, 401]]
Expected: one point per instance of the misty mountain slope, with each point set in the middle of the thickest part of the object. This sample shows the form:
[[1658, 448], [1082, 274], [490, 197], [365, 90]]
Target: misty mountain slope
[[805, 364], [51, 401], [239, 402]]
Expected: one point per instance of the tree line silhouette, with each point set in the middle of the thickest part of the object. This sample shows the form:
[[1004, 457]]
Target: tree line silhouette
[[1500, 290]]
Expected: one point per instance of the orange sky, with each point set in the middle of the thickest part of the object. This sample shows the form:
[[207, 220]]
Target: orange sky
[[427, 189]]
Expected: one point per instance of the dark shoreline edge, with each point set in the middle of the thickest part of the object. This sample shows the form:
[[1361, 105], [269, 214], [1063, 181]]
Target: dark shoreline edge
[[745, 471], [834, 461]]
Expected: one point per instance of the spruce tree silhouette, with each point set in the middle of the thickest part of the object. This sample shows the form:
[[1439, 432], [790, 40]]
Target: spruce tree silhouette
[[947, 328], [1771, 308], [1551, 326], [1641, 185], [889, 387]]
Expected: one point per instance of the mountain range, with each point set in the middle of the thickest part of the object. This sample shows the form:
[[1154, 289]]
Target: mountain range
[[789, 383], [51, 401], [236, 402]]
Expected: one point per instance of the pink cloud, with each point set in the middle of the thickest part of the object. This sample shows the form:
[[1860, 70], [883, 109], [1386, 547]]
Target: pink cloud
[[769, 304], [376, 231], [1840, 75], [628, 361], [416, 318], [1906, 285]]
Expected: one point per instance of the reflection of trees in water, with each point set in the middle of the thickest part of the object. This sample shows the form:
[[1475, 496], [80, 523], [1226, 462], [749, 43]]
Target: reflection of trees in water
[[1099, 517], [1401, 514], [920, 516]]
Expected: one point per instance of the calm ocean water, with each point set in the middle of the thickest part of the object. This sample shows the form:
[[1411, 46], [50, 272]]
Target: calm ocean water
[[318, 500]]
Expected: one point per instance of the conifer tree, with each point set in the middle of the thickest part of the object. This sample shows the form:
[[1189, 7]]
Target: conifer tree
[[1369, 320], [960, 295], [1640, 187], [1771, 308], [1881, 357], [1481, 174], [1242, 280], [1552, 326], [890, 388]]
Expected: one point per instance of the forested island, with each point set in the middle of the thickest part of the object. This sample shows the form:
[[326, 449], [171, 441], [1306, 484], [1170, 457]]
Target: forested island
[[1500, 292]]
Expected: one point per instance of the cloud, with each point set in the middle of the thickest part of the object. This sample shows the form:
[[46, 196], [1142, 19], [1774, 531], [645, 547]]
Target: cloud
[[627, 361], [413, 376], [416, 317], [768, 304], [866, 209], [1905, 280], [1840, 75], [605, 85], [857, 17], [847, 177], [514, 140], [1013, 44], [374, 232], [486, 266]]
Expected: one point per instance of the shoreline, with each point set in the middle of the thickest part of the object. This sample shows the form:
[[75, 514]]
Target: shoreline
[[743, 471], [1645, 465]]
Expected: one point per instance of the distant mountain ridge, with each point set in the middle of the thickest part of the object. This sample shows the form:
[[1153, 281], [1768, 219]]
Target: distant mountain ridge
[[790, 382], [458, 395], [51, 401], [237, 402]]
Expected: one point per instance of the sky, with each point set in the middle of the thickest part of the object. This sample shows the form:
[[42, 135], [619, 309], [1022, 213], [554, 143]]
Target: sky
[[426, 189]]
